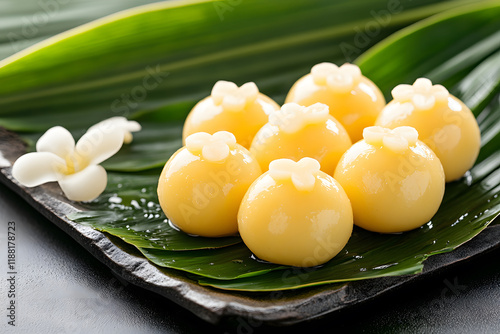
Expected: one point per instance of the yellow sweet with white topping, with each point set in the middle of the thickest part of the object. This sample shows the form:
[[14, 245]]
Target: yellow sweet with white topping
[[394, 181], [295, 132], [295, 214], [202, 184], [354, 100], [239, 110], [443, 122]]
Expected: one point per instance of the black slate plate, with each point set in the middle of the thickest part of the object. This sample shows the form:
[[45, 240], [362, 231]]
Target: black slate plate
[[276, 308]]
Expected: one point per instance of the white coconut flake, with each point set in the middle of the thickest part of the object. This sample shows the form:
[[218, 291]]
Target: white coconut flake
[[301, 173]]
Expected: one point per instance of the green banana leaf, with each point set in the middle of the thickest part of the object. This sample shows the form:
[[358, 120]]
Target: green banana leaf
[[133, 214], [223, 264], [26, 22], [262, 42]]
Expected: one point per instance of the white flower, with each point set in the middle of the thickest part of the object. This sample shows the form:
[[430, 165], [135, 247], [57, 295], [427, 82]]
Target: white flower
[[233, 98], [339, 79], [214, 147], [301, 173], [4, 162], [75, 167], [119, 122], [292, 117], [422, 94], [397, 140]]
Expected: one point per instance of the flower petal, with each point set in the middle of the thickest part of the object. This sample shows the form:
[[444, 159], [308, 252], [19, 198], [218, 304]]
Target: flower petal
[[316, 113], [233, 103], [309, 165], [225, 136], [215, 151], [395, 143], [120, 122], [289, 118], [280, 169], [402, 92], [422, 85], [133, 126], [321, 71], [85, 185], [440, 92], [4, 162], [374, 135], [249, 91], [423, 102], [408, 132], [221, 89], [351, 70], [340, 83], [36, 168], [56, 140], [303, 180], [98, 144], [196, 141]]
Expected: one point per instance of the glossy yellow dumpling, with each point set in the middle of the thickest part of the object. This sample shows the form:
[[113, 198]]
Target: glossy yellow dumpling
[[239, 110], [443, 122], [354, 100], [295, 214], [295, 132], [202, 184], [394, 181]]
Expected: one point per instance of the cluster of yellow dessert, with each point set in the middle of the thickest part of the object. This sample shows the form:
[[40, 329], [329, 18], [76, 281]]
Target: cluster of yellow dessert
[[292, 180]]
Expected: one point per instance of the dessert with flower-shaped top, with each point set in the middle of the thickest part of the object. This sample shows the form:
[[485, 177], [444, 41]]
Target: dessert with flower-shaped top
[[443, 122], [295, 132], [202, 184], [354, 100], [394, 181], [239, 110], [295, 214], [74, 166]]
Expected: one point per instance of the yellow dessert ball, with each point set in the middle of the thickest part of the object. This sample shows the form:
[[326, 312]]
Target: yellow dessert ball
[[394, 181], [239, 110], [295, 132], [354, 100], [443, 122], [202, 184], [295, 214]]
